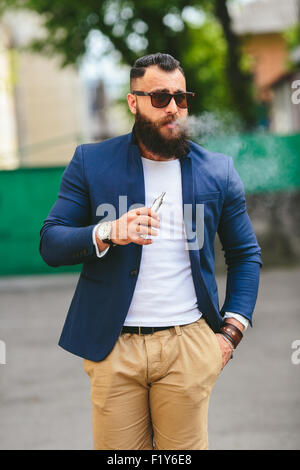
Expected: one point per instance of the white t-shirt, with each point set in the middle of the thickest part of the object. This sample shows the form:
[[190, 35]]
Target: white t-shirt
[[164, 292]]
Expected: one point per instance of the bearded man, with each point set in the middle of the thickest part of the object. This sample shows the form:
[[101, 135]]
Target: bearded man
[[145, 315]]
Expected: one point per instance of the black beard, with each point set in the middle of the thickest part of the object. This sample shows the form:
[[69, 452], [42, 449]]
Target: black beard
[[149, 134]]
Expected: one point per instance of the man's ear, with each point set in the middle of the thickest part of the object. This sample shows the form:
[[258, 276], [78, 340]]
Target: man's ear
[[131, 99]]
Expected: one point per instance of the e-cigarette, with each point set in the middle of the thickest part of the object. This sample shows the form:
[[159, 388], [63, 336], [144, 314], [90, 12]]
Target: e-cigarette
[[157, 202], [155, 206]]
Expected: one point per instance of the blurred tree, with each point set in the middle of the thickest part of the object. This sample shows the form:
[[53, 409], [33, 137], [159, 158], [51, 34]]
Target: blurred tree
[[196, 32]]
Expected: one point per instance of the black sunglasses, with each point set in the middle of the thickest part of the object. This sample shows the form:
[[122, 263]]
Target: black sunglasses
[[161, 99]]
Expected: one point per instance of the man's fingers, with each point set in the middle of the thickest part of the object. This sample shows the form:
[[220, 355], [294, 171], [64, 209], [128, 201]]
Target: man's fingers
[[147, 211], [138, 222], [143, 241], [148, 221], [144, 230]]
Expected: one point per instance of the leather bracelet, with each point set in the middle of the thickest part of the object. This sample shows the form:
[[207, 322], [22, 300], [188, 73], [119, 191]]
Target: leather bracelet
[[228, 341], [234, 334], [231, 337], [235, 328]]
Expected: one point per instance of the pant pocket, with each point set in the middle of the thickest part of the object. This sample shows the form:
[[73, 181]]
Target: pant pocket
[[218, 350], [214, 343]]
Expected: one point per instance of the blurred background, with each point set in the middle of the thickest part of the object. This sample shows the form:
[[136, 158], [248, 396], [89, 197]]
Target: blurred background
[[64, 76]]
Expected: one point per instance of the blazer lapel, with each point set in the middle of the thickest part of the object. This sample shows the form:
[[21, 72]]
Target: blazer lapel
[[188, 199], [135, 175]]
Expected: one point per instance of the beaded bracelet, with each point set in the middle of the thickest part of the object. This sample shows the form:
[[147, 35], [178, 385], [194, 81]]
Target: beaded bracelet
[[228, 341]]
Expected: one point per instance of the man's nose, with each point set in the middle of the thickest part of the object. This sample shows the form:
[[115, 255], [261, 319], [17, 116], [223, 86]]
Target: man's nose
[[172, 106]]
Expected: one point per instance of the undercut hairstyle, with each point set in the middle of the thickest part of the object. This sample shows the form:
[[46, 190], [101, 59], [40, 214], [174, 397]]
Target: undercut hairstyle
[[164, 61]]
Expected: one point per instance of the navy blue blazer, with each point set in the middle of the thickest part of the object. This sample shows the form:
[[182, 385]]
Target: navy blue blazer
[[99, 173]]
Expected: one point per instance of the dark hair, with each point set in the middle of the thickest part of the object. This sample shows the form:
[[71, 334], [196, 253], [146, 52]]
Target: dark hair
[[164, 61]]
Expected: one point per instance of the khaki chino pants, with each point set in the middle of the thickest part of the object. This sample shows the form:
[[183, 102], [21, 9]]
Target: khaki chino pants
[[152, 391]]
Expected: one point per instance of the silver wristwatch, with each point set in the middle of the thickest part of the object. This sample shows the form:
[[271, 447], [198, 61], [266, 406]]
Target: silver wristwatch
[[104, 232]]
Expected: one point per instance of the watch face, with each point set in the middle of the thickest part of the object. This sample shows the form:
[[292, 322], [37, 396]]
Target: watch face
[[104, 231]]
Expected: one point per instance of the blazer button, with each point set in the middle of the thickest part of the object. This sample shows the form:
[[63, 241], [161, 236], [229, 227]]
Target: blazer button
[[133, 272]]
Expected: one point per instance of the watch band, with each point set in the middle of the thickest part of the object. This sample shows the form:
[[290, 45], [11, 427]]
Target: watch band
[[109, 242]]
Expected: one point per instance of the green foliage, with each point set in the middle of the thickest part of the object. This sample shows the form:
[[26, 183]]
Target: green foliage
[[206, 71], [292, 37], [139, 27]]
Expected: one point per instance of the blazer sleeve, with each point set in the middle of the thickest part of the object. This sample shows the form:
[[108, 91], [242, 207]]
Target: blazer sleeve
[[66, 236], [241, 250]]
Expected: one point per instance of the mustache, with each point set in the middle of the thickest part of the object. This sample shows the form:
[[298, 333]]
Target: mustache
[[166, 120]]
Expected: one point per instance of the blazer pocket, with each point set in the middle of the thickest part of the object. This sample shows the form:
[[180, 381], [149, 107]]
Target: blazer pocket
[[203, 197]]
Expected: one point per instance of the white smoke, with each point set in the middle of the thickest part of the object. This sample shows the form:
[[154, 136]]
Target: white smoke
[[210, 124]]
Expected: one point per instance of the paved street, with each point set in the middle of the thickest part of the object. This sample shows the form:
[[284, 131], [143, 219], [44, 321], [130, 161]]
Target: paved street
[[44, 392]]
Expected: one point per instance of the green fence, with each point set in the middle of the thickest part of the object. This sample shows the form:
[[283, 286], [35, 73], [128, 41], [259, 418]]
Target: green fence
[[26, 197], [265, 163]]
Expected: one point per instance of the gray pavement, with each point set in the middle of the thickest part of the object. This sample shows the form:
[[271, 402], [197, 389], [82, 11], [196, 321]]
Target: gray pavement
[[45, 395]]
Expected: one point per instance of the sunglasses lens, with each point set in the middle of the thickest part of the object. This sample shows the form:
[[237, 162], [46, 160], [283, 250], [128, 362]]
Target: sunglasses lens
[[160, 100], [181, 100]]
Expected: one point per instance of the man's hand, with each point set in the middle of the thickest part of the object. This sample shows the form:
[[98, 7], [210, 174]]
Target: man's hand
[[225, 349], [133, 224], [224, 346]]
